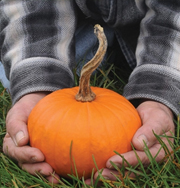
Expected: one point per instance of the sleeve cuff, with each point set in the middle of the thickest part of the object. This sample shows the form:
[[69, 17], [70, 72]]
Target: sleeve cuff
[[39, 74], [155, 82]]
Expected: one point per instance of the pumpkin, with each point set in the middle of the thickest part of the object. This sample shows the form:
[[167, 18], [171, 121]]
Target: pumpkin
[[81, 127]]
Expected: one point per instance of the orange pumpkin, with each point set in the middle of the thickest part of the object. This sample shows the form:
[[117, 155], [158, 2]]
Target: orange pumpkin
[[71, 131]]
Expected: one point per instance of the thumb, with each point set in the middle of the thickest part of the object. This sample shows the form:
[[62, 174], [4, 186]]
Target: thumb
[[17, 127], [16, 123], [21, 137], [142, 138]]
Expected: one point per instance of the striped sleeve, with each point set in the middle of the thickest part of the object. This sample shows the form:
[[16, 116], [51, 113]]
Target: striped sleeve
[[157, 74], [37, 44]]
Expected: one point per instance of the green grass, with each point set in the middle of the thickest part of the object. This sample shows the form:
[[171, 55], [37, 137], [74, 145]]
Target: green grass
[[164, 174]]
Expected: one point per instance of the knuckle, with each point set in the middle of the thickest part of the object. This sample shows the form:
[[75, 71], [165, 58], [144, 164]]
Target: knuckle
[[5, 144], [8, 148]]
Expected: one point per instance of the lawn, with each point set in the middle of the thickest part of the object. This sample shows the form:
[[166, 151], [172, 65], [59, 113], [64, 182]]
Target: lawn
[[163, 174]]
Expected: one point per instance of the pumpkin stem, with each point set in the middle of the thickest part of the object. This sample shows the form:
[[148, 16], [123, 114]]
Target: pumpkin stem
[[85, 93]]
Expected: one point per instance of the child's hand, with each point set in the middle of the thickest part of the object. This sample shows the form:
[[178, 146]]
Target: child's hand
[[155, 117], [16, 141]]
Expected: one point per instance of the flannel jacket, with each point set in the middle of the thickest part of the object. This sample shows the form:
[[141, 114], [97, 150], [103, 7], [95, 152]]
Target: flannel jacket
[[37, 44]]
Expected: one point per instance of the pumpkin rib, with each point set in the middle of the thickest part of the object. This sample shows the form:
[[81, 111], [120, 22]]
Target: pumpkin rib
[[90, 132], [115, 100], [100, 115], [88, 157], [114, 114], [105, 95], [111, 112], [120, 108], [74, 120], [92, 145], [60, 120], [120, 120], [75, 125]]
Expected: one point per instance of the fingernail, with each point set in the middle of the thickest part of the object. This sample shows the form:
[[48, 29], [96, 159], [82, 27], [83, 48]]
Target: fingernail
[[34, 159], [142, 138], [115, 165], [19, 136], [106, 178]]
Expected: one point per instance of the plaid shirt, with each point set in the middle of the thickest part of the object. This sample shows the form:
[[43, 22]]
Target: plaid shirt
[[37, 44]]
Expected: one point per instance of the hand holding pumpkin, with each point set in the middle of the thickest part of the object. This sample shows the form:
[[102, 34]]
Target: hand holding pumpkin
[[155, 117], [16, 141]]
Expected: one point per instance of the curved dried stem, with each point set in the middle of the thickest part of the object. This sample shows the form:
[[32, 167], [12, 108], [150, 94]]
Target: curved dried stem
[[85, 93]]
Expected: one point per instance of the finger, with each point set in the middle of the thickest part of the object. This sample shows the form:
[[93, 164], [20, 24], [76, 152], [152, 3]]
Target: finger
[[92, 182], [89, 182], [43, 168], [54, 178], [133, 158], [127, 159], [24, 154], [108, 174], [113, 175]]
